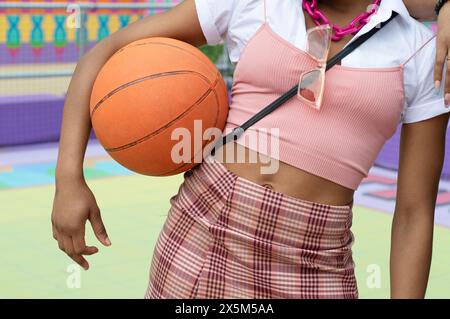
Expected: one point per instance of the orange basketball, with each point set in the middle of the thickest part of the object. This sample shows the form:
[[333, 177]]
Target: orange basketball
[[146, 94]]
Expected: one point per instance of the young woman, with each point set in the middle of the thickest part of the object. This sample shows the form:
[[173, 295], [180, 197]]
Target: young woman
[[233, 232]]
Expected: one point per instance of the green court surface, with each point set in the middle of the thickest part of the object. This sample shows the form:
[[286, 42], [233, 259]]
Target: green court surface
[[134, 209]]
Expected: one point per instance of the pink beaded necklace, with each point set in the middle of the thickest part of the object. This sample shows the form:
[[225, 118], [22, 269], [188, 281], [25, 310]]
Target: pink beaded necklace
[[310, 6]]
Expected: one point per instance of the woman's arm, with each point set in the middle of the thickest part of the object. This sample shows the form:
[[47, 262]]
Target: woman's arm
[[422, 150], [74, 203]]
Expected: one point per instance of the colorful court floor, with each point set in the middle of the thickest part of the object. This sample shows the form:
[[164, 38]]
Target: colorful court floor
[[134, 209]]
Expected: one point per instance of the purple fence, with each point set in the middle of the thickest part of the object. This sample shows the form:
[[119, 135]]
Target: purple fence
[[389, 155], [28, 119]]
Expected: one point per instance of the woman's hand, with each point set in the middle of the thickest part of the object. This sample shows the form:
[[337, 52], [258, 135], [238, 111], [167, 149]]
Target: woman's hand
[[74, 202], [443, 51], [73, 205]]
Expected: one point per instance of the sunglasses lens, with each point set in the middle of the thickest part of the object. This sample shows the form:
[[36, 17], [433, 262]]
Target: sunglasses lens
[[311, 87], [318, 42]]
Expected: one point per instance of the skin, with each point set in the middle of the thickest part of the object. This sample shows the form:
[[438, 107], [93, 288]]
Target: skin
[[74, 203], [422, 149]]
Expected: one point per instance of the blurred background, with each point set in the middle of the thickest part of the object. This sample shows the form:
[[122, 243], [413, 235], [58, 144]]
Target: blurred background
[[40, 43]]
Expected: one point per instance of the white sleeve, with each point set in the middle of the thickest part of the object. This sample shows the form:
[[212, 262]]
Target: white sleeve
[[423, 102], [214, 17]]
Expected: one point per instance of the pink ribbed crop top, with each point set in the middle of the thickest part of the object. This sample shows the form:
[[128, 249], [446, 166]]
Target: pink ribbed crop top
[[360, 112]]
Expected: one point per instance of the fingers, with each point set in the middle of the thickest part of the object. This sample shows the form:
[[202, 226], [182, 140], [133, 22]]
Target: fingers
[[90, 250], [441, 56], [70, 251], [447, 81], [98, 227], [79, 244], [74, 246], [68, 245], [80, 260], [80, 248]]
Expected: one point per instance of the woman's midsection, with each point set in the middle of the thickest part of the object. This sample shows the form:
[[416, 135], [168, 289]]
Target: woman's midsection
[[285, 178]]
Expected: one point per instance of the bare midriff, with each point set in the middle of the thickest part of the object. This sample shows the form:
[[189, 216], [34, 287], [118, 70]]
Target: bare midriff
[[286, 179]]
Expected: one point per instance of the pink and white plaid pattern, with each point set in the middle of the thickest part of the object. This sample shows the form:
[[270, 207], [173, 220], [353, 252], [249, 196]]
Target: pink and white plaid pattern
[[227, 237]]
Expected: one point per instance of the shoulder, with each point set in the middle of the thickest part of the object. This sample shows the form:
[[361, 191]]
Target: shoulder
[[226, 7], [416, 27], [412, 34], [217, 16]]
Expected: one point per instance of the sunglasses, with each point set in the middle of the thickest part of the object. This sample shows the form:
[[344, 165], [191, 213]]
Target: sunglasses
[[312, 83]]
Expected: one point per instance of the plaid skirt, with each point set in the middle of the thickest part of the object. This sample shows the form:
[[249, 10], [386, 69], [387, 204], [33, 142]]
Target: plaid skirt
[[227, 237]]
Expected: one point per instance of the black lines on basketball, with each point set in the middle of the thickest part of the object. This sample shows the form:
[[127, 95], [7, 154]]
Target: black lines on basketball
[[168, 173], [209, 65], [166, 126], [147, 78]]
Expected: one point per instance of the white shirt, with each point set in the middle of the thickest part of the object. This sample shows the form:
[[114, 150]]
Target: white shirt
[[233, 22]]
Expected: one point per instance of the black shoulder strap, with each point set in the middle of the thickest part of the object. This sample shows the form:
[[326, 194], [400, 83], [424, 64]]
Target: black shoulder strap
[[238, 131]]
